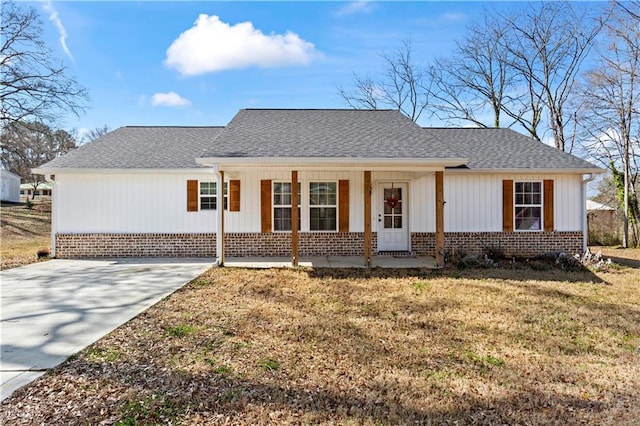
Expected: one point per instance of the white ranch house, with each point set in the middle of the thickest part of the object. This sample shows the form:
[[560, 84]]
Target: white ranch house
[[10, 183], [369, 182]]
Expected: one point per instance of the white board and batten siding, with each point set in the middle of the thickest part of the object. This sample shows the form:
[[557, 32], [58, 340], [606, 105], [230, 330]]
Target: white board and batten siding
[[156, 202], [128, 203], [474, 202]]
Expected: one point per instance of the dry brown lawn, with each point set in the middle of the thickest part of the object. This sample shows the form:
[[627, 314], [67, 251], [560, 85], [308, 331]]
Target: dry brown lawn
[[483, 346], [23, 232]]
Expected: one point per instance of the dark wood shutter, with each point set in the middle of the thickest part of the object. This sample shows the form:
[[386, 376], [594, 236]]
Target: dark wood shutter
[[234, 195], [265, 205], [507, 206], [343, 206], [548, 205], [192, 195]]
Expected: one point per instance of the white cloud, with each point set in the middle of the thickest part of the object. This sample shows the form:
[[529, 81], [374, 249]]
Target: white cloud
[[453, 17], [171, 99], [212, 45], [354, 7], [55, 18]]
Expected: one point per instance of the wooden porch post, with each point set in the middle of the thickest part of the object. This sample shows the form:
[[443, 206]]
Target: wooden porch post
[[220, 205], [367, 219], [440, 218], [294, 217]]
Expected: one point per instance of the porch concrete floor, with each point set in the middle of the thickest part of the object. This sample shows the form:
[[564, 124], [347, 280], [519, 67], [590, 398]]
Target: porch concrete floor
[[333, 262]]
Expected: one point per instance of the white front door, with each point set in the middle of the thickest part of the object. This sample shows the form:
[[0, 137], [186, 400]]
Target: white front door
[[393, 226]]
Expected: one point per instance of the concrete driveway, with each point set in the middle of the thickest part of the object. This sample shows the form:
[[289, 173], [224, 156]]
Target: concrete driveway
[[54, 309]]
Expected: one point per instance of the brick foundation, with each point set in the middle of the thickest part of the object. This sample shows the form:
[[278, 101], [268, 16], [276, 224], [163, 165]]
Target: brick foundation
[[511, 243], [309, 244], [135, 245]]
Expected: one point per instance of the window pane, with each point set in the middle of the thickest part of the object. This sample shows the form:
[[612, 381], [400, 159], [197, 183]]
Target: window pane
[[208, 203], [322, 218], [282, 219], [207, 188], [528, 218], [388, 223], [322, 194], [397, 222]]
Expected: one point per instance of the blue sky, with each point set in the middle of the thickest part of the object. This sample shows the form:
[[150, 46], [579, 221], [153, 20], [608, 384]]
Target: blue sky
[[198, 63]]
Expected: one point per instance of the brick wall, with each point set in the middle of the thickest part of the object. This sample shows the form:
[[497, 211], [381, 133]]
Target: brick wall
[[511, 243], [309, 244], [135, 245]]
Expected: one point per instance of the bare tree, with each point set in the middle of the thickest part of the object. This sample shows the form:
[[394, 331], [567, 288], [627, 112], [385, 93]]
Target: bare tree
[[611, 113], [475, 81], [34, 86], [95, 133], [403, 86], [547, 45], [26, 145]]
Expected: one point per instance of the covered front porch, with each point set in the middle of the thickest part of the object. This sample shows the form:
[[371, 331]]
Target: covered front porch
[[346, 246]]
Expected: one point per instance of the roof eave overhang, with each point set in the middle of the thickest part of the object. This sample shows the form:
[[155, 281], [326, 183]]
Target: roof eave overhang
[[87, 170], [330, 163], [556, 171]]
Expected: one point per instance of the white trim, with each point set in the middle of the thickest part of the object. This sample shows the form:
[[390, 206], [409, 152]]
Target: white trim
[[541, 206], [406, 216], [219, 213], [274, 206], [328, 206], [585, 235], [526, 171], [329, 163], [54, 171]]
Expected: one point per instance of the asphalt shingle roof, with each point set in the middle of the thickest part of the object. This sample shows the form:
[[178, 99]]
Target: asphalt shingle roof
[[141, 148], [326, 133], [314, 134], [491, 148]]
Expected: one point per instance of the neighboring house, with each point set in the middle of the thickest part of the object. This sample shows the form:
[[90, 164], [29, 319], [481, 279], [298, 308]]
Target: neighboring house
[[44, 189], [367, 182], [10, 186], [603, 226]]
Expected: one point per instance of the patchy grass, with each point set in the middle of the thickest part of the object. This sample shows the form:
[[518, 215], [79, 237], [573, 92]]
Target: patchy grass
[[24, 232], [627, 257], [489, 346]]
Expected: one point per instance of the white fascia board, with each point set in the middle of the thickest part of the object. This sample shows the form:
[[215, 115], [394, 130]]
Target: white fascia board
[[527, 171], [59, 171], [325, 163]]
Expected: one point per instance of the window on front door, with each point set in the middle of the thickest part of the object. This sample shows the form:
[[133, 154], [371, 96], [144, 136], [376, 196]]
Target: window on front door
[[392, 208]]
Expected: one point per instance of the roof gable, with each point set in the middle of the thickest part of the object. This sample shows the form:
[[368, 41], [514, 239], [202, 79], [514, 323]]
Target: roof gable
[[324, 133]]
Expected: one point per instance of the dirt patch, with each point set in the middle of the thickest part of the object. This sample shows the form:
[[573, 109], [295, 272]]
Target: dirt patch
[[286, 346]]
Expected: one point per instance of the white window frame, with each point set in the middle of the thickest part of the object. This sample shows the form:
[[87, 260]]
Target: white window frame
[[309, 206], [516, 205], [214, 196], [274, 205]]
